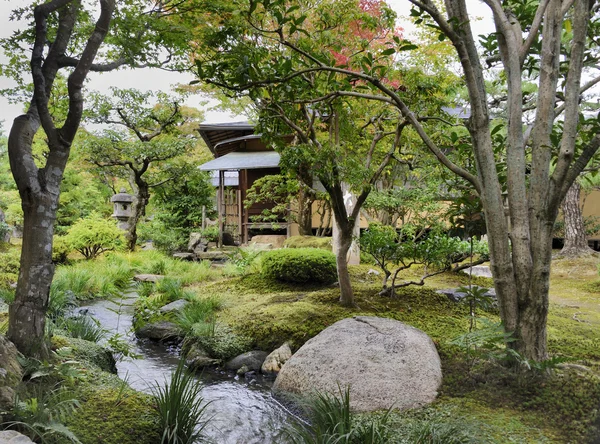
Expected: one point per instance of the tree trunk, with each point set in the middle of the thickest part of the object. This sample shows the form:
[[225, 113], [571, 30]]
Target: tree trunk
[[343, 241], [142, 197], [305, 212], [305, 201], [27, 314], [576, 243]]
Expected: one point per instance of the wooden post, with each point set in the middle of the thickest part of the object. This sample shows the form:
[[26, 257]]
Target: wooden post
[[221, 206]]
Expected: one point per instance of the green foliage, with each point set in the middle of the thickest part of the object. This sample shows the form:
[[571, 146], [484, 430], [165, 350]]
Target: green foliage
[[220, 341], [82, 326], [180, 408], [166, 239], [9, 268], [92, 279], [42, 417], [381, 242], [80, 194], [210, 233], [300, 265], [94, 235], [187, 272], [179, 202], [198, 317], [331, 421], [242, 259], [278, 192], [77, 350], [60, 250]]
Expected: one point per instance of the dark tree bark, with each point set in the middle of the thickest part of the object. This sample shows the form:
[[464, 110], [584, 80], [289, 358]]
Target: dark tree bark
[[576, 243], [39, 188], [305, 201], [142, 197]]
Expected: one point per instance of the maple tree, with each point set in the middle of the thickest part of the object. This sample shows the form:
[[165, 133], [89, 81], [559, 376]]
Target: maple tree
[[547, 44]]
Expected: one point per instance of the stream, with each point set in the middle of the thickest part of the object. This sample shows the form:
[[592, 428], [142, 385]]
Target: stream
[[241, 411]]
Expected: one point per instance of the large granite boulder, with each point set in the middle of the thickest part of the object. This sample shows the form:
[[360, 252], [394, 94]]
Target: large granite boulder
[[276, 359], [14, 437], [386, 364], [10, 373]]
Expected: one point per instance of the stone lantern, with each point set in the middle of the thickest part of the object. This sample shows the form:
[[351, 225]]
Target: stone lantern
[[123, 208]]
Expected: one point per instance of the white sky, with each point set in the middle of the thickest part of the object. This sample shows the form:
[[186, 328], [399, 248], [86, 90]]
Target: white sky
[[147, 79]]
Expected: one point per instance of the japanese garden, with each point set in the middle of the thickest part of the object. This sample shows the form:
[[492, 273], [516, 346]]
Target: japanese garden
[[356, 221]]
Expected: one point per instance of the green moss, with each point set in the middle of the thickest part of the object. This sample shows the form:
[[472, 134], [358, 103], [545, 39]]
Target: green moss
[[323, 243], [86, 351], [109, 416]]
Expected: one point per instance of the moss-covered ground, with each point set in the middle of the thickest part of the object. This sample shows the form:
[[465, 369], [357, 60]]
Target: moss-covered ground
[[496, 403]]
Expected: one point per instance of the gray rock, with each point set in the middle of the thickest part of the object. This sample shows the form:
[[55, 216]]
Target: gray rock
[[198, 358], [252, 360], [185, 256], [148, 277], [243, 370], [479, 270], [159, 331], [13, 437], [195, 239], [374, 272], [276, 359], [174, 306], [10, 374], [455, 296], [386, 364]]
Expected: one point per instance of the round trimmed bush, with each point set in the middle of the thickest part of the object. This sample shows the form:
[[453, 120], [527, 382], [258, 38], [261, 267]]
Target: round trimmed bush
[[300, 265]]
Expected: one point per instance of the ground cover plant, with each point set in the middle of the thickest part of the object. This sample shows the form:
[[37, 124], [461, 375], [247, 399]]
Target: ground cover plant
[[496, 402], [479, 395]]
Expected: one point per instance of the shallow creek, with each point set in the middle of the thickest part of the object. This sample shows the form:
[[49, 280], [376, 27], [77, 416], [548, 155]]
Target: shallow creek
[[243, 411]]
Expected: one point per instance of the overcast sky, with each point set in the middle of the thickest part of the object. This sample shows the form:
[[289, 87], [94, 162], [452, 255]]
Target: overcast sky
[[141, 79]]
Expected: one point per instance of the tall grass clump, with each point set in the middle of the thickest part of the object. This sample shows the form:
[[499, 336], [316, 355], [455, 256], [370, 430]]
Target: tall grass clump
[[172, 289], [154, 262], [198, 317], [83, 327], [330, 421], [180, 408]]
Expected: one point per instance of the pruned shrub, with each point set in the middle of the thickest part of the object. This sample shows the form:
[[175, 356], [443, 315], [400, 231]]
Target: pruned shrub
[[301, 265], [94, 235]]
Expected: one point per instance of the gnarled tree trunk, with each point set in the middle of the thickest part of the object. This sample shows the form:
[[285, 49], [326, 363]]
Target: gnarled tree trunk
[[576, 243], [39, 188]]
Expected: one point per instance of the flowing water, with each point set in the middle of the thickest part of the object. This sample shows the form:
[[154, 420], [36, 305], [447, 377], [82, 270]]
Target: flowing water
[[242, 411]]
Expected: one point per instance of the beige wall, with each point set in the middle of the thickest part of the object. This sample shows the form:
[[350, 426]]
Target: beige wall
[[591, 205]]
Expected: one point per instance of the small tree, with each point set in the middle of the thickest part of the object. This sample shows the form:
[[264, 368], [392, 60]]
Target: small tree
[[94, 235], [149, 135], [435, 251]]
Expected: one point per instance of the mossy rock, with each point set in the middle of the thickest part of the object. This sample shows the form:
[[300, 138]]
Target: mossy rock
[[87, 351], [112, 416], [324, 243], [10, 372]]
